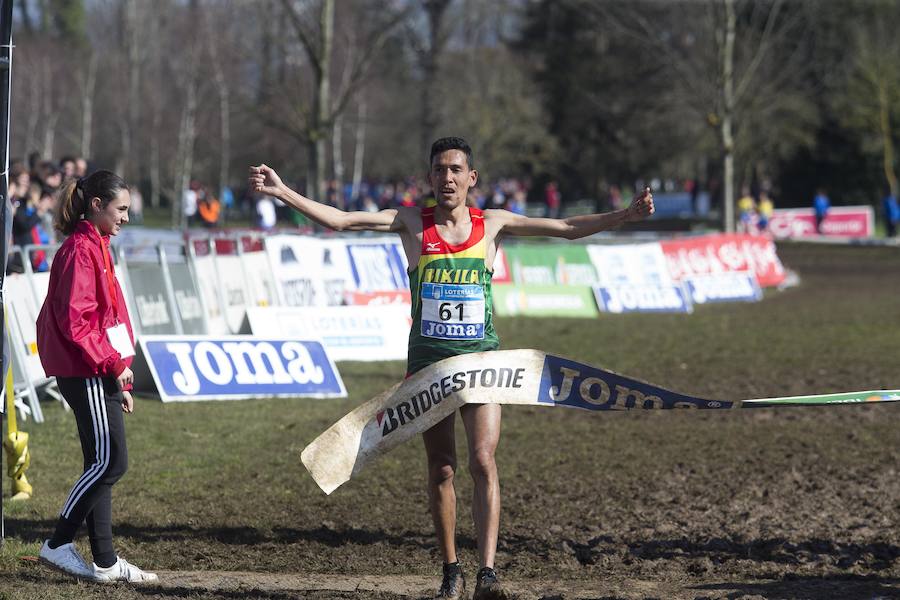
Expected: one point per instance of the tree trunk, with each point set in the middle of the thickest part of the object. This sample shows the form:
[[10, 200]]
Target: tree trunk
[[337, 158], [87, 107], [887, 143], [50, 116], [323, 100], [360, 149], [185, 152], [155, 174], [435, 10], [727, 139]]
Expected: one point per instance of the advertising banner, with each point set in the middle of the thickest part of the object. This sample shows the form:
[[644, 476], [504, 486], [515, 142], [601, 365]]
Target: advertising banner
[[305, 271], [843, 221], [260, 284], [550, 264], [647, 298], [724, 287], [23, 313], [148, 295], [210, 291], [236, 367], [363, 333], [544, 301], [187, 298], [501, 268], [724, 253], [635, 278], [377, 265], [234, 289], [379, 298]]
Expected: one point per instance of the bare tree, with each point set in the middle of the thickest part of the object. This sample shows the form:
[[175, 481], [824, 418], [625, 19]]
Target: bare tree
[[312, 123], [223, 92], [718, 55], [871, 102]]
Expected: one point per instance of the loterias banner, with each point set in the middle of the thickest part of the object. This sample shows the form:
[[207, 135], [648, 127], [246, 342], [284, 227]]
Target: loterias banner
[[504, 377]]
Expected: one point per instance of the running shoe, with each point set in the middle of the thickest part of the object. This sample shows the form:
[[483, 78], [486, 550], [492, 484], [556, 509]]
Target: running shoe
[[122, 570]]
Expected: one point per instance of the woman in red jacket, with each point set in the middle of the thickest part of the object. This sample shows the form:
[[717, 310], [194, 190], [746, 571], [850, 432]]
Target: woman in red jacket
[[84, 339]]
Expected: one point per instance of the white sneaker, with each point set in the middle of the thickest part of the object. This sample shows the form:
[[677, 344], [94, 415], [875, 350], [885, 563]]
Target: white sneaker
[[122, 570], [66, 559]]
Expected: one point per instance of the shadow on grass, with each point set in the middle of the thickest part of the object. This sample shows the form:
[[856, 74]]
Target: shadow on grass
[[257, 594], [839, 586], [35, 531], [874, 556]]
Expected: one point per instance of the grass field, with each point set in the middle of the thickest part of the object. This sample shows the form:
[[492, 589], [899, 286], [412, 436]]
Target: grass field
[[770, 503]]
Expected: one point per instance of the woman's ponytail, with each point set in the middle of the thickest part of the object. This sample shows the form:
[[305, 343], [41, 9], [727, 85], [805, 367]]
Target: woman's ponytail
[[70, 207]]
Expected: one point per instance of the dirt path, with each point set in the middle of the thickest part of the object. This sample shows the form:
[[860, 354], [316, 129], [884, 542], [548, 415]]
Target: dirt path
[[251, 585]]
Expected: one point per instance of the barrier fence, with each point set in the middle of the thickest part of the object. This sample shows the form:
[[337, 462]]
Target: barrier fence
[[351, 296]]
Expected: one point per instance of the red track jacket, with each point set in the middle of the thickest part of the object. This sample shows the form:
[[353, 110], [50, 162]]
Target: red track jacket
[[71, 328]]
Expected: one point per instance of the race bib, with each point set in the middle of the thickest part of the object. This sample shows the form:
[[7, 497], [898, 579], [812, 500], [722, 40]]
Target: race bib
[[121, 342], [452, 312]]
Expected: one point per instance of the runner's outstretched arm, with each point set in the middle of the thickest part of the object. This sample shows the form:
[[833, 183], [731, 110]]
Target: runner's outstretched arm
[[265, 180], [573, 227]]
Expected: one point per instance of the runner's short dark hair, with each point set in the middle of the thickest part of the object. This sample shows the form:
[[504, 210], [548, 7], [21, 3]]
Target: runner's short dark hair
[[452, 143]]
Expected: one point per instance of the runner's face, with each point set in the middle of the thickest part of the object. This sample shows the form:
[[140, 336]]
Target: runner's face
[[110, 220], [451, 178]]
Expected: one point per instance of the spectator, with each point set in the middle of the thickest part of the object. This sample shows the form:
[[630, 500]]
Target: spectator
[[891, 213], [136, 210], [49, 175], [27, 229], [265, 212], [552, 199], [517, 202], [67, 166], [208, 208], [189, 203], [746, 209], [81, 167], [821, 204], [765, 211], [227, 197]]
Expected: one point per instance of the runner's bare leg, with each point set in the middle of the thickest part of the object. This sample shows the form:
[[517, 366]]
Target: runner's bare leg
[[482, 422], [440, 449]]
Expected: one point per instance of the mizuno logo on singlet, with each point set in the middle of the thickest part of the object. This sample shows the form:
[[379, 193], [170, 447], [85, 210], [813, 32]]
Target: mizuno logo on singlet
[[450, 276], [432, 246]]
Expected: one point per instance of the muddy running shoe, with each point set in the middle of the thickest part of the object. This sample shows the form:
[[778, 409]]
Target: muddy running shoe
[[453, 585], [487, 587], [65, 558], [122, 570]]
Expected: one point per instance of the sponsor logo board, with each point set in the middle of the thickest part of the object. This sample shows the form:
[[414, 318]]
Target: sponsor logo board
[[238, 367], [544, 301], [648, 298], [841, 221], [724, 287], [724, 253], [364, 333]]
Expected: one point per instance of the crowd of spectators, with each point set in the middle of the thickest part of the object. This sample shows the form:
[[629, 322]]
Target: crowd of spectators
[[32, 191]]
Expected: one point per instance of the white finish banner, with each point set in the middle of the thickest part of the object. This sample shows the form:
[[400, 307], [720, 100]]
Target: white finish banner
[[527, 377]]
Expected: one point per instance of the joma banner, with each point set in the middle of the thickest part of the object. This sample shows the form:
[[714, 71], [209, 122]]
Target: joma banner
[[237, 367], [525, 377]]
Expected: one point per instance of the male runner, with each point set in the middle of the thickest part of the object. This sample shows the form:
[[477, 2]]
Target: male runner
[[450, 249]]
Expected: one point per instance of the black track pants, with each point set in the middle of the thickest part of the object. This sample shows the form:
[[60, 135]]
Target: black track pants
[[97, 405]]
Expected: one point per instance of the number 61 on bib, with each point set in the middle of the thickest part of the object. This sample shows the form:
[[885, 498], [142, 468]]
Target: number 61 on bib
[[452, 312]]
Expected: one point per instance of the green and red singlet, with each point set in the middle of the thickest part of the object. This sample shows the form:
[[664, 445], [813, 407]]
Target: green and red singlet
[[452, 306]]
